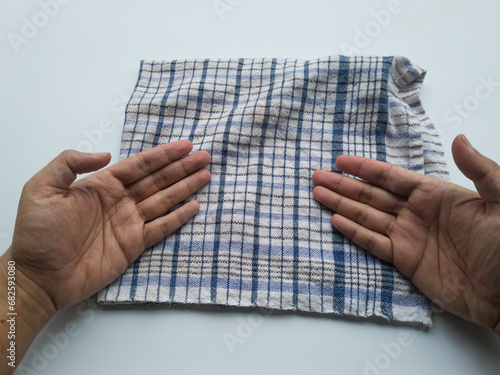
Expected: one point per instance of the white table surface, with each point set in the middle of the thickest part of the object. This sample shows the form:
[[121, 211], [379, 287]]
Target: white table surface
[[76, 68]]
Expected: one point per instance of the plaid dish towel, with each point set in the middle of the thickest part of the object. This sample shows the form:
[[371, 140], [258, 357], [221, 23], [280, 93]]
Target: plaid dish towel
[[260, 239]]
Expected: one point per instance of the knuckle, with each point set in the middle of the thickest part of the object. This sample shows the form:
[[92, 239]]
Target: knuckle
[[362, 214], [132, 193], [397, 207], [371, 243], [366, 193], [337, 203], [143, 163], [165, 226], [142, 214], [157, 180], [167, 199], [383, 175], [67, 156], [184, 169], [389, 229], [67, 153], [340, 182], [192, 188]]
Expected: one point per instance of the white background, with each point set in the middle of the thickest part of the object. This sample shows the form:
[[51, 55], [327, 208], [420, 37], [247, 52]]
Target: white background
[[73, 72]]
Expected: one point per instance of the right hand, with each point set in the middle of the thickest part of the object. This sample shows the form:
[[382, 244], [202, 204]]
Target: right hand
[[443, 237]]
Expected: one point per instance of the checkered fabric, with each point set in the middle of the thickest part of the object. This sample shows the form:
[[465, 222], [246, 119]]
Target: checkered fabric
[[260, 238]]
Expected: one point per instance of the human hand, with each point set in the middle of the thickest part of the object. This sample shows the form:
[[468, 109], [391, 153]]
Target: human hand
[[443, 237], [73, 238]]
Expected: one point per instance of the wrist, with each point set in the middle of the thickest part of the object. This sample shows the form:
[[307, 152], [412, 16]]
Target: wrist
[[25, 308], [30, 298]]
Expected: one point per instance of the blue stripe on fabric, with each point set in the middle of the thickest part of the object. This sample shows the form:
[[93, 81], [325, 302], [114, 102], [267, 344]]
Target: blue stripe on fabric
[[220, 198], [127, 114], [433, 152], [296, 188], [247, 248], [199, 99], [163, 107], [338, 125], [381, 131], [230, 211], [252, 101], [258, 196], [360, 292], [339, 111], [323, 286], [253, 72], [282, 211], [173, 274], [155, 143], [213, 124], [339, 283], [321, 104], [356, 120], [178, 234], [129, 148], [175, 250], [278, 156], [383, 110], [289, 73], [135, 273], [349, 291]]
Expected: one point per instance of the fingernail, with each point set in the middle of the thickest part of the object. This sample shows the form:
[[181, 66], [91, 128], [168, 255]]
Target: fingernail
[[101, 154], [466, 141]]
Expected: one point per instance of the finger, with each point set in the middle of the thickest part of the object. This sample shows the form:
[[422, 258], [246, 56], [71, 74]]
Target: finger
[[62, 171], [168, 175], [376, 243], [388, 176], [158, 229], [360, 213], [143, 164], [166, 199], [358, 190], [484, 172]]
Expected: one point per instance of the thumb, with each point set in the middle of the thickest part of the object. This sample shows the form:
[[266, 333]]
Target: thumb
[[62, 171], [484, 172]]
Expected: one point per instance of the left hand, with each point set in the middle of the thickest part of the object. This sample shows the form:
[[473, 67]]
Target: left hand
[[71, 239]]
